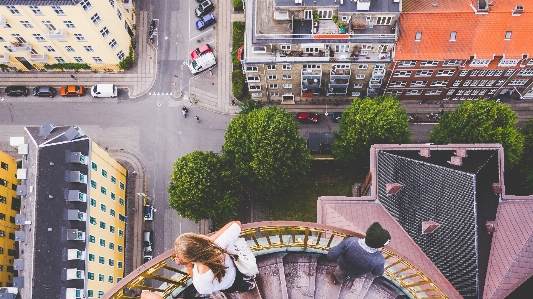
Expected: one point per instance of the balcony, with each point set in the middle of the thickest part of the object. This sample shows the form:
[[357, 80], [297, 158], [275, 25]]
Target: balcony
[[19, 47], [378, 73], [371, 92], [4, 58], [283, 248], [2, 21], [38, 58], [60, 35], [375, 83]]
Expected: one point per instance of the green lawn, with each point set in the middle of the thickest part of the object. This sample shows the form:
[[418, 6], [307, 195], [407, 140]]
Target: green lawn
[[300, 203]]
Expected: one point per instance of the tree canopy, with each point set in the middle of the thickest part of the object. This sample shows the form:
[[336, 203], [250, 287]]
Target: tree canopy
[[265, 150], [525, 166], [366, 122], [201, 188], [481, 121]]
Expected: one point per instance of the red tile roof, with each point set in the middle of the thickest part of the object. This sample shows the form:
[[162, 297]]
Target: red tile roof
[[357, 215], [482, 35], [511, 255]]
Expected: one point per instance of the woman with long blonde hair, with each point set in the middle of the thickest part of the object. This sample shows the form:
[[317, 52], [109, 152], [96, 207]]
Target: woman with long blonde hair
[[208, 261]]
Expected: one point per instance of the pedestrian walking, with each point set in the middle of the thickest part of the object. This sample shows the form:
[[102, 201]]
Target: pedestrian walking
[[356, 257], [72, 76], [197, 118], [233, 103]]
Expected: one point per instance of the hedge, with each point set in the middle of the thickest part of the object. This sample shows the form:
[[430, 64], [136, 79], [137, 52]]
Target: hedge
[[237, 5]]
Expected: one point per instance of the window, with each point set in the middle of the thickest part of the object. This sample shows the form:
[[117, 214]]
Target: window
[[273, 86], [69, 24], [419, 83], [498, 73], [253, 79], [272, 77], [92, 239], [286, 67], [308, 67], [287, 77], [26, 24], [392, 84], [100, 278], [119, 248], [445, 72], [100, 293], [413, 92], [35, 10], [480, 62], [402, 74], [271, 67], [113, 180], [2, 233], [121, 55], [325, 14], [285, 47], [49, 25], [383, 20], [287, 85], [86, 5], [482, 82], [418, 36], [525, 72], [113, 44], [250, 69], [113, 196], [2, 199], [467, 82], [453, 35], [363, 66], [500, 82], [508, 62], [120, 233], [121, 217], [490, 73], [311, 50], [13, 9], [359, 76], [397, 92], [439, 83], [2, 216], [98, 60], [254, 87], [360, 85], [110, 278], [101, 260], [342, 48], [451, 62], [58, 10], [355, 93], [119, 265], [433, 92], [49, 49], [38, 37], [119, 14], [103, 190], [112, 247], [7, 25], [518, 82], [474, 83], [102, 207], [4, 166], [69, 49], [491, 82], [104, 32], [424, 73], [96, 19], [509, 72], [104, 173], [102, 242], [79, 37], [429, 63], [92, 220], [90, 293], [121, 201], [93, 184], [90, 275], [112, 229], [508, 35], [91, 257], [492, 91], [405, 63], [274, 94]]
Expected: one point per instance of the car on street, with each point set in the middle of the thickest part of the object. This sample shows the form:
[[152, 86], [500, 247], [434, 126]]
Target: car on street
[[44, 91], [204, 49], [148, 240], [16, 91], [336, 116], [147, 257], [148, 212], [307, 117], [205, 21], [71, 91], [204, 8]]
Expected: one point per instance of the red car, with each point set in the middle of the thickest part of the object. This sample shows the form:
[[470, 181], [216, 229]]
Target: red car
[[201, 51], [308, 117]]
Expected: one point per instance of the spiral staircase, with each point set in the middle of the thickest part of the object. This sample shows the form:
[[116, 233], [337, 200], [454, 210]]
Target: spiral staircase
[[292, 262]]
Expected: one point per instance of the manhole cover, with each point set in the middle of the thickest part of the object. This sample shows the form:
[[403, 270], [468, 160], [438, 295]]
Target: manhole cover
[[177, 94]]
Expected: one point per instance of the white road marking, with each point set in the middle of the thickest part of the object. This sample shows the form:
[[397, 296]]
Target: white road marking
[[200, 34]]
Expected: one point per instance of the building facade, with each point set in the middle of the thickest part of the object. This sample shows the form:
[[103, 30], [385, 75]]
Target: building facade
[[73, 227], [95, 32], [9, 207], [303, 51], [455, 50]]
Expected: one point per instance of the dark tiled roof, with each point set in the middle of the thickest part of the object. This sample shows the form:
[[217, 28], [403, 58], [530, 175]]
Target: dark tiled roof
[[347, 6], [51, 225], [39, 2], [447, 195]]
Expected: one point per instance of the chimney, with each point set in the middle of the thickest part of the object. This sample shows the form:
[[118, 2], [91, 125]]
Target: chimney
[[518, 10], [497, 187], [461, 152], [429, 226], [491, 226], [456, 160], [425, 152], [393, 188]]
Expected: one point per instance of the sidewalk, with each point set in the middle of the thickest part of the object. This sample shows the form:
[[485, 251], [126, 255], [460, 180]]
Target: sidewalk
[[139, 79]]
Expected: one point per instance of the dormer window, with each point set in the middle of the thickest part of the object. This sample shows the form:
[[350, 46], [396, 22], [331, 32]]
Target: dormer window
[[453, 35], [508, 35], [418, 36]]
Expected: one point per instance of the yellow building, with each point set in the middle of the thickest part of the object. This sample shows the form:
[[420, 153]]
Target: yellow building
[[96, 32], [75, 216], [9, 207]]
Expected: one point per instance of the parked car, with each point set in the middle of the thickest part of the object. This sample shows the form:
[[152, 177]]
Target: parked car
[[148, 212], [205, 21], [204, 49], [16, 91], [148, 240], [204, 8], [71, 91], [44, 91], [308, 117], [147, 257], [336, 116]]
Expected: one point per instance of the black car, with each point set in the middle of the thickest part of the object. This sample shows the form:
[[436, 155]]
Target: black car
[[44, 91], [336, 116], [204, 8], [16, 91]]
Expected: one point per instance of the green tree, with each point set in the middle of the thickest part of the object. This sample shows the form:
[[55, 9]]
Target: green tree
[[201, 188], [481, 121], [366, 122], [525, 166], [248, 106], [266, 151]]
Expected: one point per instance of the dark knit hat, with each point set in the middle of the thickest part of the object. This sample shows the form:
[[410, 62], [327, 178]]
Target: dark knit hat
[[376, 236]]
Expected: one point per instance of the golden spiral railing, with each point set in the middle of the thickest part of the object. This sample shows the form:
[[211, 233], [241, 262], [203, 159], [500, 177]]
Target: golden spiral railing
[[270, 236]]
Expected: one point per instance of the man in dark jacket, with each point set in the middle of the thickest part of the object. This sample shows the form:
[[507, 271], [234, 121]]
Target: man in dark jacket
[[355, 257]]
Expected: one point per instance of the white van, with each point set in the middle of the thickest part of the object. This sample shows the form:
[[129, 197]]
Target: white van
[[104, 91], [203, 63]]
